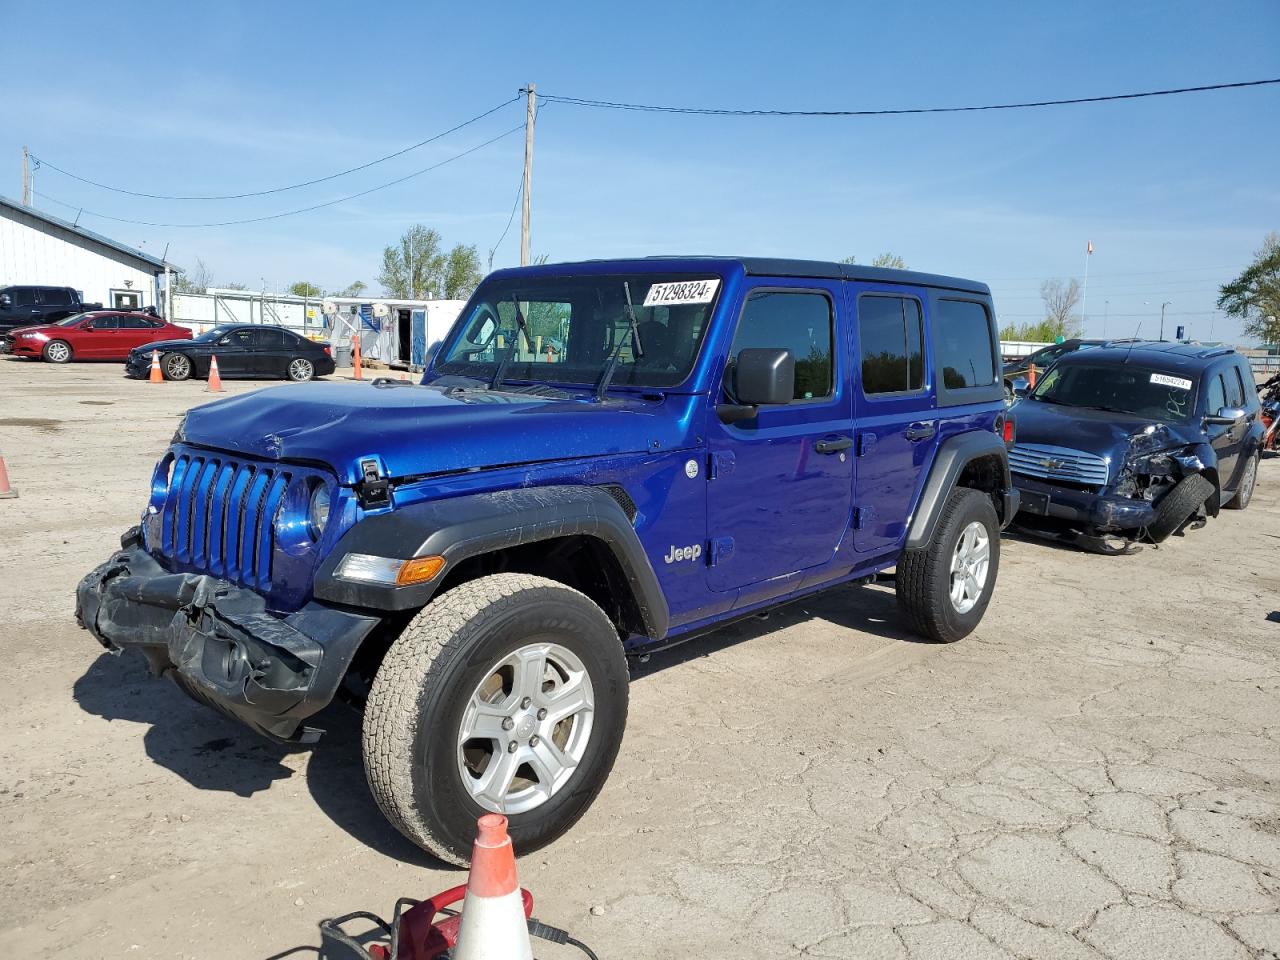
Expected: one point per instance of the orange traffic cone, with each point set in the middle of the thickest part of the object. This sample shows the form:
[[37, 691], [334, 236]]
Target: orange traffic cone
[[1031, 377], [493, 916], [6, 492], [215, 381], [355, 354], [156, 375]]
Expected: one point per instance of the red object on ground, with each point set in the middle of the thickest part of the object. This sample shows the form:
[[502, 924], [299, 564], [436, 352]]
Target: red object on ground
[[6, 492], [100, 335], [215, 379]]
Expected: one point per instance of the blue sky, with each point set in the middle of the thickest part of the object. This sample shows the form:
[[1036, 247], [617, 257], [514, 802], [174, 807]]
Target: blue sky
[[1175, 193]]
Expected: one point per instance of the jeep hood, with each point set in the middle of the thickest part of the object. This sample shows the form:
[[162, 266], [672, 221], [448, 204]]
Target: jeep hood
[[420, 430], [1095, 431]]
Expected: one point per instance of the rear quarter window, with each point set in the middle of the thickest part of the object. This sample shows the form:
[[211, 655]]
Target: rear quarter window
[[966, 360]]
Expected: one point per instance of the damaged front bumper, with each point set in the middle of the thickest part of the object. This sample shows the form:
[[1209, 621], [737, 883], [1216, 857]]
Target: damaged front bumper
[[1094, 511], [219, 643]]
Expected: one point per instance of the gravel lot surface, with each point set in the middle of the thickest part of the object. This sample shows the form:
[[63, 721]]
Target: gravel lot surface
[[1094, 774]]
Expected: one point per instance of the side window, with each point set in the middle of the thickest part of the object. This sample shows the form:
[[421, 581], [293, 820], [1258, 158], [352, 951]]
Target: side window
[[891, 335], [1217, 395], [1235, 389], [131, 322], [1245, 380], [268, 339], [57, 296], [800, 322], [239, 338], [24, 297], [963, 337], [106, 323]]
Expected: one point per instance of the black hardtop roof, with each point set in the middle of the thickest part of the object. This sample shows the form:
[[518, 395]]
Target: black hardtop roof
[[1157, 353], [768, 267]]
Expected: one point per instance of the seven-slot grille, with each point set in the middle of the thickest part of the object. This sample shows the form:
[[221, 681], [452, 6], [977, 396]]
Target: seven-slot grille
[[1059, 463], [219, 516]]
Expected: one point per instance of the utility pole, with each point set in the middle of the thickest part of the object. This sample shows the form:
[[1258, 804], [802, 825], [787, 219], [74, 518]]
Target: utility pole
[[26, 178], [1162, 306], [532, 96]]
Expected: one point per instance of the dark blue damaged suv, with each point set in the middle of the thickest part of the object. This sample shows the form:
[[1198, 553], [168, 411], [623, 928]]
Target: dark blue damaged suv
[[602, 458]]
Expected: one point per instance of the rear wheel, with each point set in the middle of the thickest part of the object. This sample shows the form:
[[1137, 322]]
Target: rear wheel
[[944, 587], [300, 370], [176, 366], [505, 694], [1179, 504], [1248, 481], [57, 351]]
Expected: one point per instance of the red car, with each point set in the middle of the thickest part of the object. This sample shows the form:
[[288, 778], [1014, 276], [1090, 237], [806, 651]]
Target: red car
[[100, 335]]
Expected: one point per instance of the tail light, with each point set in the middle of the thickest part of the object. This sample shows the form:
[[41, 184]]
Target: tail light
[[1006, 430], [328, 351]]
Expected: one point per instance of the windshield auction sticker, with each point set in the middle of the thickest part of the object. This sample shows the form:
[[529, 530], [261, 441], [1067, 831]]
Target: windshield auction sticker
[[1167, 381], [684, 291]]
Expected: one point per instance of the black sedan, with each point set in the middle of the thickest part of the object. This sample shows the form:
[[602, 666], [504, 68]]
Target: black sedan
[[255, 352]]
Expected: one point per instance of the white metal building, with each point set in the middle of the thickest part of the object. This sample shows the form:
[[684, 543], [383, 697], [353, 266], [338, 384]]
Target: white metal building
[[36, 248]]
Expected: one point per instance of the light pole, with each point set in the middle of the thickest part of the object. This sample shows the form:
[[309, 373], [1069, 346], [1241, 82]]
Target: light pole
[[1162, 306], [1106, 308]]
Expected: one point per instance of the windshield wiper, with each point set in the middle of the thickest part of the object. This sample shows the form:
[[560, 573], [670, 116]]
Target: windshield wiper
[[607, 376], [515, 342]]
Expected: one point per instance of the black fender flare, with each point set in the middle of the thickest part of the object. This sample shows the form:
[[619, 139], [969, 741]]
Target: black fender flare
[[954, 454], [458, 528]]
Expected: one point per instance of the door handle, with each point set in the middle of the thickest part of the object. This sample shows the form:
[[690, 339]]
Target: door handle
[[920, 431], [833, 446]]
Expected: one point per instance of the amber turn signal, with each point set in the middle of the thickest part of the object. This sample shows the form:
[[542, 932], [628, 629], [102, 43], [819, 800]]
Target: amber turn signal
[[419, 570]]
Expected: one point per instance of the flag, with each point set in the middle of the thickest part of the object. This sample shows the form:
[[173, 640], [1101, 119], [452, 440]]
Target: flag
[[1089, 248]]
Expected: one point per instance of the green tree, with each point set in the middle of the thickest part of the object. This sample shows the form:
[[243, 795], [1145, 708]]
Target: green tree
[[413, 269], [353, 289], [195, 280], [304, 289], [461, 272], [1254, 296], [891, 260], [847, 260]]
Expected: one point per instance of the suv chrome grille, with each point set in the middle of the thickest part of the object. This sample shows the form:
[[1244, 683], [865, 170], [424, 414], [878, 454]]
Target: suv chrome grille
[[219, 517], [1059, 463]]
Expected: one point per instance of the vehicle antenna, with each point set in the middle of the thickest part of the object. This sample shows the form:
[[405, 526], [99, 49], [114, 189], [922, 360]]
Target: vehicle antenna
[[1132, 342]]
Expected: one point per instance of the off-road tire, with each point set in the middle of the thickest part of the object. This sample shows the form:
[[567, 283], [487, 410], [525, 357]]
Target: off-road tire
[[415, 707], [177, 373], [1179, 504], [924, 574], [54, 357], [1248, 482]]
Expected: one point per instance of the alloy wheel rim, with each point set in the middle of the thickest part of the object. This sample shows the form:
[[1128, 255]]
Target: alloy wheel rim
[[525, 728], [970, 564], [58, 352], [300, 370], [1250, 476], [179, 367]]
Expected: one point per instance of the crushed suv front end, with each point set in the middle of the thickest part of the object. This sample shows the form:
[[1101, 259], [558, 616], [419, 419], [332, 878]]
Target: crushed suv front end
[[214, 588]]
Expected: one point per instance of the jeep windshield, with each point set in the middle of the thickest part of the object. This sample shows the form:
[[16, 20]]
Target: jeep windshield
[[573, 325], [1119, 388]]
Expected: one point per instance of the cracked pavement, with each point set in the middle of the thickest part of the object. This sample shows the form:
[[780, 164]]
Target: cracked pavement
[[1094, 774]]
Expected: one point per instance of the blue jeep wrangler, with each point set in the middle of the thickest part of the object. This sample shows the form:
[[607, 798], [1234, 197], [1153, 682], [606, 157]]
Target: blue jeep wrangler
[[602, 458]]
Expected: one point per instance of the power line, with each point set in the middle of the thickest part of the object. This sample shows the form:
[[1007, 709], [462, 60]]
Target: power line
[[290, 213], [723, 112], [293, 186]]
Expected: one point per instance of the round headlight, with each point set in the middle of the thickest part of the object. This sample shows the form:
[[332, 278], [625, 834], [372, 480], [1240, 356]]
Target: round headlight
[[318, 510]]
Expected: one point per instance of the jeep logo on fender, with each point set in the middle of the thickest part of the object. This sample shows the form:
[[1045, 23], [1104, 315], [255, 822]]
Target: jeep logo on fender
[[676, 554]]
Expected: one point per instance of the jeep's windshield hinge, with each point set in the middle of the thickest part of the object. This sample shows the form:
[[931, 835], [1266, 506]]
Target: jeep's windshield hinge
[[372, 490]]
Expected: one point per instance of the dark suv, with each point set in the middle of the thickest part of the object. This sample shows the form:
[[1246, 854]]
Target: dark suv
[[1123, 444], [24, 306], [602, 458]]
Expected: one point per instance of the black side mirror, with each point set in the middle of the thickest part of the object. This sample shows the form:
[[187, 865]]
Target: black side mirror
[[762, 376], [1020, 386], [1226, 416], [6, 301], [87, 325]]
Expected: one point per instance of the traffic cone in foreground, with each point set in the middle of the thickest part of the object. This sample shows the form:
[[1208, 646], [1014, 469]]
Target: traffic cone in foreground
[[6, 492], [215, 381], [156, 375], [493, 917]]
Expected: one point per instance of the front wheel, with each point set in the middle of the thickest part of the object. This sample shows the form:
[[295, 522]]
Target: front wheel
[[176, 366], [1176, 506], [57, 351], [945, 586], [505, 694]]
